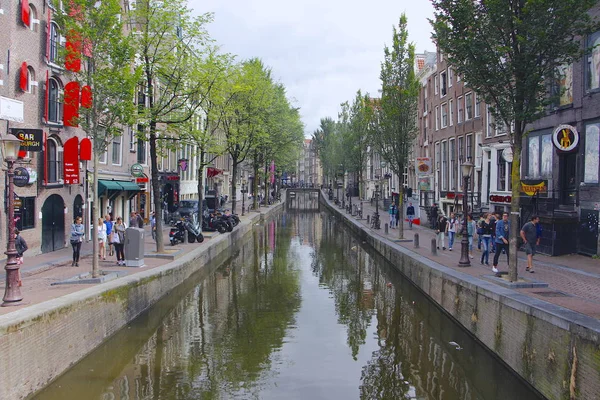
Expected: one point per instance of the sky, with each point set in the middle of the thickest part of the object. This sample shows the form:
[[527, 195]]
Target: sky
[[322, 51]]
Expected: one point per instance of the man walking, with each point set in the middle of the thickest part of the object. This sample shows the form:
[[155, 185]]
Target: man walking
[[451, 229], [442, 224], [434, 216], [392, 212], [502, 236], [529, 234], [410, 214]]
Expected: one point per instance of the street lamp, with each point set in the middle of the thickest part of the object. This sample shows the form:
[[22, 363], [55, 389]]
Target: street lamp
[[350, 196], [466, 168], [244, 191], [12, 292], [377, 206]]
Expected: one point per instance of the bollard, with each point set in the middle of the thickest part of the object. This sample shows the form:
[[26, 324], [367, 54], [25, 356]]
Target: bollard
[[368, 219], [433, 247], [386, 228], [416, 240]]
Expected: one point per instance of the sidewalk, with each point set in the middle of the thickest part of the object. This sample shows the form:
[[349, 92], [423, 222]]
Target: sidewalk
[[39, 272], [574, 280]]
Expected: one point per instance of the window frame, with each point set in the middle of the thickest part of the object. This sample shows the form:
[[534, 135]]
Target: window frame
[[477, 113], [437, 118], [444, 169], [443, 84], [459, 110], [55, 106], [444, 118], [592, 42], [468, 106], [53, 164], [594, 158], [449, 77], [27, 220], [117, 139], [436, 84], [452, 167], [450, 112]]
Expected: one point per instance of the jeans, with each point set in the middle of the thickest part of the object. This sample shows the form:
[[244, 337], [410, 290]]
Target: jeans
[[441, 239], [451, 238], [479, 239], [470, 244], [392, 220], [119, 251], [485, 256], [76, 250], [499, 247]]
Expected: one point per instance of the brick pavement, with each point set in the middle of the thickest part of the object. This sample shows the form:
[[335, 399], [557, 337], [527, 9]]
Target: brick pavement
[[574, 280]]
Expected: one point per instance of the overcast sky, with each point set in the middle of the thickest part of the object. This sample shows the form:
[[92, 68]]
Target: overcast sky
[[323, 51]]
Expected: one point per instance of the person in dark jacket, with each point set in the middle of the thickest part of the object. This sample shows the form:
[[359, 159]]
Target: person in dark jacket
[[434, 216], [21, 247], [441, 231]]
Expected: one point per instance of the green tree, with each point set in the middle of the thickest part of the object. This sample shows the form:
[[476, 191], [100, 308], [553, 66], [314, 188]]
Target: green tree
[[325, 139], [171, 48], [105, 55], [507, 50], [394, 117], [358, 137]]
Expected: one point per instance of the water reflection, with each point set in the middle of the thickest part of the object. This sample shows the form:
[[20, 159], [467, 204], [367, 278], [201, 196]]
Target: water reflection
[[301, 310]]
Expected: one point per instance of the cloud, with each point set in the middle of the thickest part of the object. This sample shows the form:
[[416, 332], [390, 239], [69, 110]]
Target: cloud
[[322, 51]]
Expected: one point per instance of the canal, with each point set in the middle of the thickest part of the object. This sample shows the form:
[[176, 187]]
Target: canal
[[301, 310]]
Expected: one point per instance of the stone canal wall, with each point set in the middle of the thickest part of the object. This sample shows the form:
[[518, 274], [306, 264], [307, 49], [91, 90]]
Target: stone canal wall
[[40, 342], [555, 349]]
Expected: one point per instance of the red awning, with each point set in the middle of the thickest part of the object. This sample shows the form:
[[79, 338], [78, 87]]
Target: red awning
[[23, 77], [212, 172]]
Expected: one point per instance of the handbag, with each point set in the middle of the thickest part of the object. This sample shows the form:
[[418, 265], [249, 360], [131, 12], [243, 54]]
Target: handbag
[[115, 238], [111, 237]]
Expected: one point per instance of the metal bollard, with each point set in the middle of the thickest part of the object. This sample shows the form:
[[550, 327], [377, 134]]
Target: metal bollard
[[386, 228], [433, 247], [368, 219], [416, 240]]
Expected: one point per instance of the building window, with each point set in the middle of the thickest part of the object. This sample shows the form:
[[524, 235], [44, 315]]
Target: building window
[[116, 149], [444, 115], [592, 145], [461, 150], [459, 110], [546, 161], [26, 219], [132, 138], [444, 165], [437, 118], [31, 82], [426, 126], [425, 89], [593, 62], [563, 86], [533, 149], [469, 140], [451, 112], [477, 105], [443, 83], [452, 169], [141, 151], [435, 84], [501, 183], [54, 38], [468, 106], [449, 76], [33, 21], [55, 106], [53, 165]]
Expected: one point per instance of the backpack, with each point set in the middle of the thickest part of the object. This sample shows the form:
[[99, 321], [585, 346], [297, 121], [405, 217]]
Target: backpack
[[480, 227]]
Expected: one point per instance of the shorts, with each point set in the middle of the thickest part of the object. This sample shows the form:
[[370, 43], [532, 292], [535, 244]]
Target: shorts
[[529, 248]]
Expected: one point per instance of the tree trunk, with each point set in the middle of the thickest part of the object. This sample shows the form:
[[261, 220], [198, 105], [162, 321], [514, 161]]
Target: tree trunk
[[514, 207], [234, 186], [200, 186], [255, 204], [160, 247], [401, 205], [95, 216]]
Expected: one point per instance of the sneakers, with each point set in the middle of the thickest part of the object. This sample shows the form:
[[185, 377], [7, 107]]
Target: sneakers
[[495, 270], [450, 249], [443, 248]]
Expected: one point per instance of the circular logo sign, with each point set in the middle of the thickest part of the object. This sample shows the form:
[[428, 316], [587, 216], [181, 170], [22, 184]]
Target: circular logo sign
[[565, 138], [137, 170], [21, 177]]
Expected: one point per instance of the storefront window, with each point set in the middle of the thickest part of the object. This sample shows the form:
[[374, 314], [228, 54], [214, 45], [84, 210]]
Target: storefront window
[[592, 146], [547, 151], [534, 157], [593, 62]]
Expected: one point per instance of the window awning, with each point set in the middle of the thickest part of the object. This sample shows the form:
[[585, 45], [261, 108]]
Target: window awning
[[129, 186], [112, 188], [105, 186]]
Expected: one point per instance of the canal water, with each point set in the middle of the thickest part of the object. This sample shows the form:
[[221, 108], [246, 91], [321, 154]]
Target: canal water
[[302, 310]]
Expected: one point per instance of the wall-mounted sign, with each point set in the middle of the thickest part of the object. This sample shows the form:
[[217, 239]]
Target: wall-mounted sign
[[21, 177], [137, 170], [71, 161], [31, 139], [500, 199], [11, 109], [565, 138], [423, 166], [32, 175], [507, 154], [530, 187], [183, 164]]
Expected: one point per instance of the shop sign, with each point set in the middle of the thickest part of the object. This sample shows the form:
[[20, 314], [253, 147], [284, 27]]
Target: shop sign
[[21, 177], [500, 199], [32, 175], [71, 161], [424, 183], [142, 179], [565, 138], [31, 139], [423, 166], [137, 170], [530, 187], [172, 177]]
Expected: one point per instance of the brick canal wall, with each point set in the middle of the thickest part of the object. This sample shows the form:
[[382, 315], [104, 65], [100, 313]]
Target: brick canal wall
[[555, 349], [40, 342]]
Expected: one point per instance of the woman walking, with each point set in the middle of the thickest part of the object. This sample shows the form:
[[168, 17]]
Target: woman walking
[[486, 234], [119, 240], [77, 233], [101, 239], [471, 229]]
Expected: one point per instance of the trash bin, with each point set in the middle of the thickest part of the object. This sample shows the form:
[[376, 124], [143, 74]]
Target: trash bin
[[134, 247]]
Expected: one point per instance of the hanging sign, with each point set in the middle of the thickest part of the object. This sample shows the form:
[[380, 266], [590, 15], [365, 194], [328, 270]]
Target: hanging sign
[[183, 164], [530, 187], [31, 139], [423, 166], [21, 177], [71, 161], [137, 170], [565, 138]]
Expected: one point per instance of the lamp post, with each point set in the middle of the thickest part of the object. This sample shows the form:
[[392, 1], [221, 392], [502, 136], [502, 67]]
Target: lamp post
[[377, 205], [466, 168], [244, 191], [350, 196], [12, 292]]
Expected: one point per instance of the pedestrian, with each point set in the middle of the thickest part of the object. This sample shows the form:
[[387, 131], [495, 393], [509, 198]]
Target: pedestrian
[[139, 220], [479, 231], [101, 239], [410, 213], [494, 220], [392, 211], [486, 234], [109, 226], [529, 234], [119, 240], [442, 225], [21, 247], [434, 216], [471, 231], [451, 230], [77, 232], [133, 219], [502, 236], [153, 225]]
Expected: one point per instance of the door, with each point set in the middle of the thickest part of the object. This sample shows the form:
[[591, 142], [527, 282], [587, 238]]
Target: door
[[78, 207], [568, 179], [53, 224], [588, 232]]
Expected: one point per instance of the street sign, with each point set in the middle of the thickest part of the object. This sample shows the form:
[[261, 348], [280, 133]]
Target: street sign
[[137, 170]]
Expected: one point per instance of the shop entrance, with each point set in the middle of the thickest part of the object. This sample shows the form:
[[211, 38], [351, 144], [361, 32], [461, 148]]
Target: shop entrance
[[568, 179], [53, 224]]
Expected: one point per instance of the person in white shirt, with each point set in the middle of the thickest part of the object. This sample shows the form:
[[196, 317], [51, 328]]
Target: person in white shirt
[[451, 229], [101, 239]]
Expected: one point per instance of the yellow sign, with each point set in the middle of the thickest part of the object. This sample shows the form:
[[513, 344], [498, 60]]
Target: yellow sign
[[530, 188]]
